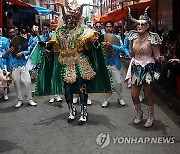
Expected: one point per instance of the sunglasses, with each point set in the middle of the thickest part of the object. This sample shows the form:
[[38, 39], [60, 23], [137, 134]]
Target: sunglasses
[[141, 24], [98, 26]]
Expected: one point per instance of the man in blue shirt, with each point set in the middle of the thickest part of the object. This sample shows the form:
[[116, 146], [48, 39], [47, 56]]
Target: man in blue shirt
[[114, 63], [16, 56]]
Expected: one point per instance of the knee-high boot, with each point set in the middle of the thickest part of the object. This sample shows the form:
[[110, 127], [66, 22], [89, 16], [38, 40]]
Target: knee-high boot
[[72, 112], [139, 115], [83, 115], [150, 119]]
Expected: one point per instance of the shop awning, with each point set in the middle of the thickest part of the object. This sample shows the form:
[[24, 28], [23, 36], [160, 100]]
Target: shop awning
[[96, 18], [143, 5], [121, 13], [43, 11], [115, 16], [36, 9], [19, 3]]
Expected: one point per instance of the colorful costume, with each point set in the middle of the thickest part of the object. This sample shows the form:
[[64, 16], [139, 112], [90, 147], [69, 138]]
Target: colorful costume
[[146, 53], [74, 63], [143, 71]]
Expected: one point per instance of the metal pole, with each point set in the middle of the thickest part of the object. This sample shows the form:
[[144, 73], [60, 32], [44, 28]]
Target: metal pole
[[101, 6], [133, 8], [156, 9], [111, 6], [1, 15], [122, 23]]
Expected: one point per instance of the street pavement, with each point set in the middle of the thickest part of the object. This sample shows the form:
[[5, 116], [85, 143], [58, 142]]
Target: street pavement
[[44, 129]]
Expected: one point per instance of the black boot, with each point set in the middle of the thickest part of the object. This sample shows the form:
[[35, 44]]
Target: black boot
[[83, 116], [72, 113]]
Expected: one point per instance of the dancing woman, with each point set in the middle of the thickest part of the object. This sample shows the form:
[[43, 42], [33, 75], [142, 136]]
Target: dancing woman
[[145, 51]]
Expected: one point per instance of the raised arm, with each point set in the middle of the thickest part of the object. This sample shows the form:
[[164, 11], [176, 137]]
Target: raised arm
[[156, 52]]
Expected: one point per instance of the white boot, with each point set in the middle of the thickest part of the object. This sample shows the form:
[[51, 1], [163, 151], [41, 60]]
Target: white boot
[[105, 103], [19, 103], [72, 113], [83, 116], [139, 115], [58, 99], [52, 100], [121, 102], [6, 97], [75, 100], [150, 119], [89, 102], [32, 103]]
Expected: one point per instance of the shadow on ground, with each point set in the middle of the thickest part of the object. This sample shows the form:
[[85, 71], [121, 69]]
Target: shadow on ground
[[94, 119], [7, 146], [157, 126]]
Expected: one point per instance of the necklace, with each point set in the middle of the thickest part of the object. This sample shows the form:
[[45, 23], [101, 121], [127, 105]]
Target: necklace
[[144, 36], [141, 40]]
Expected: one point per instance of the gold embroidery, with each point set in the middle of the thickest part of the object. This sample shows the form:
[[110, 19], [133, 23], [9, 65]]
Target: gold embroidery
[[70, 47], [83, 89], [86, 69], [68, 59], [70, 74]]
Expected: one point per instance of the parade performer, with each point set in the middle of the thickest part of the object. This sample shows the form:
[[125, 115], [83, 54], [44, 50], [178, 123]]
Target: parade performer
[[16, 53], [41, 61], [113, 46], [45, 37], [145, 51], [97, 46], [77, 63]]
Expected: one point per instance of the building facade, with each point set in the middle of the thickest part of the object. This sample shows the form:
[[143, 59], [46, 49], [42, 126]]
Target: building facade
[[165, 14]]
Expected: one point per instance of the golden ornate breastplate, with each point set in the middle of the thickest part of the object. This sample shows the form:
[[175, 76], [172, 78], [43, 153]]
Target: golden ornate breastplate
[[68, 52], [141, 50]]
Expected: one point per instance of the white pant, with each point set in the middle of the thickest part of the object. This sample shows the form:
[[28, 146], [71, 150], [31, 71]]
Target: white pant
[[117, 78], [21, 75], [3, 84]]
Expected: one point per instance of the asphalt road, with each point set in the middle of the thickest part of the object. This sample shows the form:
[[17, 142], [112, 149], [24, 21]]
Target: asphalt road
[[44, 129]]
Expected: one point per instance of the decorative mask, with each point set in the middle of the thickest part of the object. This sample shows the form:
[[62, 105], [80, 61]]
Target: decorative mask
[[71, 12]]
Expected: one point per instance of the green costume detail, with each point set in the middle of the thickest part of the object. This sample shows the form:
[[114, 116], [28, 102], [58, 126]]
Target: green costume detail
[[51, 73]]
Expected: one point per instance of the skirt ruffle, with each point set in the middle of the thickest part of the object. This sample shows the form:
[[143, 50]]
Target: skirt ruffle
[[146, 74]]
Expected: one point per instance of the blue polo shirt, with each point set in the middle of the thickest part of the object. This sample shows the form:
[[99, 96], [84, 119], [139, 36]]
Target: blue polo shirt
[[115, 60]]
